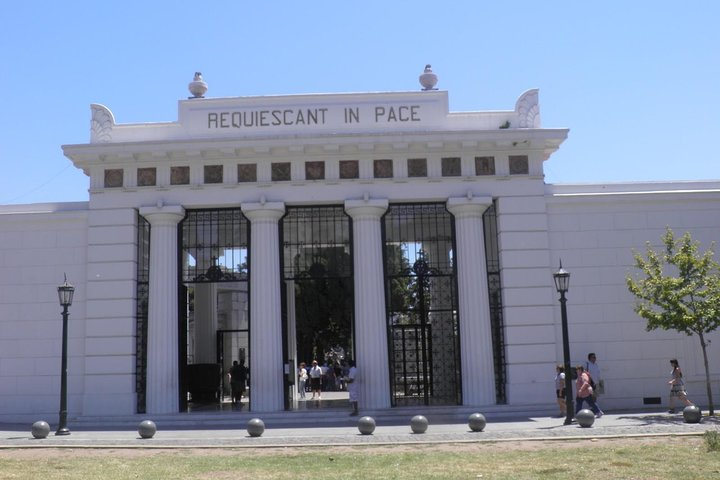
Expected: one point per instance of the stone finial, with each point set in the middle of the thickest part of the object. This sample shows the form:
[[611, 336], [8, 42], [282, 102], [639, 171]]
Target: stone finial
[[198, 87], [428, 79]]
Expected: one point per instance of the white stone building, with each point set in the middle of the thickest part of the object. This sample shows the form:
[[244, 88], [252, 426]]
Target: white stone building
[[274, 229]]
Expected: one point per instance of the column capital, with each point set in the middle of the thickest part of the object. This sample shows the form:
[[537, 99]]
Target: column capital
[[270, 211], [163, 215], [468, 206], [358, 209]]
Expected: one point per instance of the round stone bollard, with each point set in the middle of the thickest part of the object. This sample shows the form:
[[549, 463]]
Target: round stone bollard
[[147, 429], [255, 427], [40, 429], [585, 418], [366, 425], [477, 422], [692, 414], [418, 424]]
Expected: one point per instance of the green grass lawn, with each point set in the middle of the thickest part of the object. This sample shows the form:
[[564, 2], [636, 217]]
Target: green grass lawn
[[658, 458]]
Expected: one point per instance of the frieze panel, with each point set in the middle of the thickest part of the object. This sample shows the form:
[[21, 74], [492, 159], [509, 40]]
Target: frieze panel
[[247, 172], [349, 169], [280, 171], [213, 173], [113, 178], [179, 175], [314, 170], [484, 166], [146, 177], [417, 167], [383, 168], [451, 167]]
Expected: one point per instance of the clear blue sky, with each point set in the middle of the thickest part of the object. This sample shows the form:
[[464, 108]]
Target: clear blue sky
[[637, 82]]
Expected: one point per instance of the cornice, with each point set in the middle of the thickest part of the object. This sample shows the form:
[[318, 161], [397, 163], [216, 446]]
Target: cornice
[[520, 141]]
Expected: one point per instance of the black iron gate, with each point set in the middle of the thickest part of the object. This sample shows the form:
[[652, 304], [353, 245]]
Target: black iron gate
[[421, 298]]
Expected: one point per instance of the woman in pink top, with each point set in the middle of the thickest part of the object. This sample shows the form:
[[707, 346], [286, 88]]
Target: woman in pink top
[[584, 392]]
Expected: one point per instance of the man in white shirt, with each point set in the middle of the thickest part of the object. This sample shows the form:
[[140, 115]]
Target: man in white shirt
[[315, 374]]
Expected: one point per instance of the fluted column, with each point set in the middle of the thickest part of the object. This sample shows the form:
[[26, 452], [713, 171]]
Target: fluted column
[[162, 350], [371, 352], [266, 353], [475, 332]]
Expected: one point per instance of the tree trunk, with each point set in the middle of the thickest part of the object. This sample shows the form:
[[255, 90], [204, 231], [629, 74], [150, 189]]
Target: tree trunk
[[708, 384]]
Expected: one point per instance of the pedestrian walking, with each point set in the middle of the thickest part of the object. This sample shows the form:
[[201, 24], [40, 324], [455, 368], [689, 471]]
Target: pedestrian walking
[[583, 392], [560, 389], [596, 378], [677, 386], [353, 388]]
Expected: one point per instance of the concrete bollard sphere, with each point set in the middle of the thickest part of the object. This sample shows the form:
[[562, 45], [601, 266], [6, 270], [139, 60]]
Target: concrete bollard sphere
[[40, 429], [366, 425], [477, 422], [147, 429], [255, 427], [418, 424], [692, 414], [585, 418]]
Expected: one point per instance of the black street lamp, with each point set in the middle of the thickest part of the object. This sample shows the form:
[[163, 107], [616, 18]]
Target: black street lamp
[[562, 284], [65, 295]]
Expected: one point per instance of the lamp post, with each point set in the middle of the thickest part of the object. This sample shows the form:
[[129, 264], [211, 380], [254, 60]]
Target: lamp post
[[562, 284], [65, 295]]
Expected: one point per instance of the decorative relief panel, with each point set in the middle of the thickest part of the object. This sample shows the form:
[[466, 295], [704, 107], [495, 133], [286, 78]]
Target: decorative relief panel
[[113, 177], [528, 109], [280, 171], [518, 165], [349, 169], [179, 175], [451, 167], [314, 170], [146, 177], [213, 173], [484, 165], [417, 167], [247, 172], [383, 168], [101, 124]]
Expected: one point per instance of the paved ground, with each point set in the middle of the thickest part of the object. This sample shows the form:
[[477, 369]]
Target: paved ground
[[610, 425]]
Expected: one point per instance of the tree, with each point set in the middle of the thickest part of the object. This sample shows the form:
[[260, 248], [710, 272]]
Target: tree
[[680, 291]]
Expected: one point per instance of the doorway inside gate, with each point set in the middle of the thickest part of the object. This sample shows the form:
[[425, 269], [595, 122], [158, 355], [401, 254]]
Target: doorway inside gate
[[214, 310], [318, 307]]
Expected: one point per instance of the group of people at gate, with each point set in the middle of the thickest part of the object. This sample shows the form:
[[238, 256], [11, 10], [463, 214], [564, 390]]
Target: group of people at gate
[[344, 376]]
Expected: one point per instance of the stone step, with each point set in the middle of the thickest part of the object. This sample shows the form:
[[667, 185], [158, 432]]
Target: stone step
[[326, 417]]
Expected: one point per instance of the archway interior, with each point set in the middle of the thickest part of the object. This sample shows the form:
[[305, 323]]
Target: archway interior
[[317, 269], [214, 308]]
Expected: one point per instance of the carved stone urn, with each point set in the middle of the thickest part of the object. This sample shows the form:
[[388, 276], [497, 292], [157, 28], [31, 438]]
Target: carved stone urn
[[198, 87], [428, 79]]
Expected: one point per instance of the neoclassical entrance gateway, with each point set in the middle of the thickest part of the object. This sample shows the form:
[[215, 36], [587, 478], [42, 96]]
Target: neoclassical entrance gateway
[[276, 246], [419, 267]]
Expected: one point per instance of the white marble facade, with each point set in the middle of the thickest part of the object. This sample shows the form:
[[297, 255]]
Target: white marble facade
[[253, 153]]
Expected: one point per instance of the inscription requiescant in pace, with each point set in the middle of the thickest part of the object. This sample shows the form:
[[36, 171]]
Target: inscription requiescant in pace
[[311, 116]]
